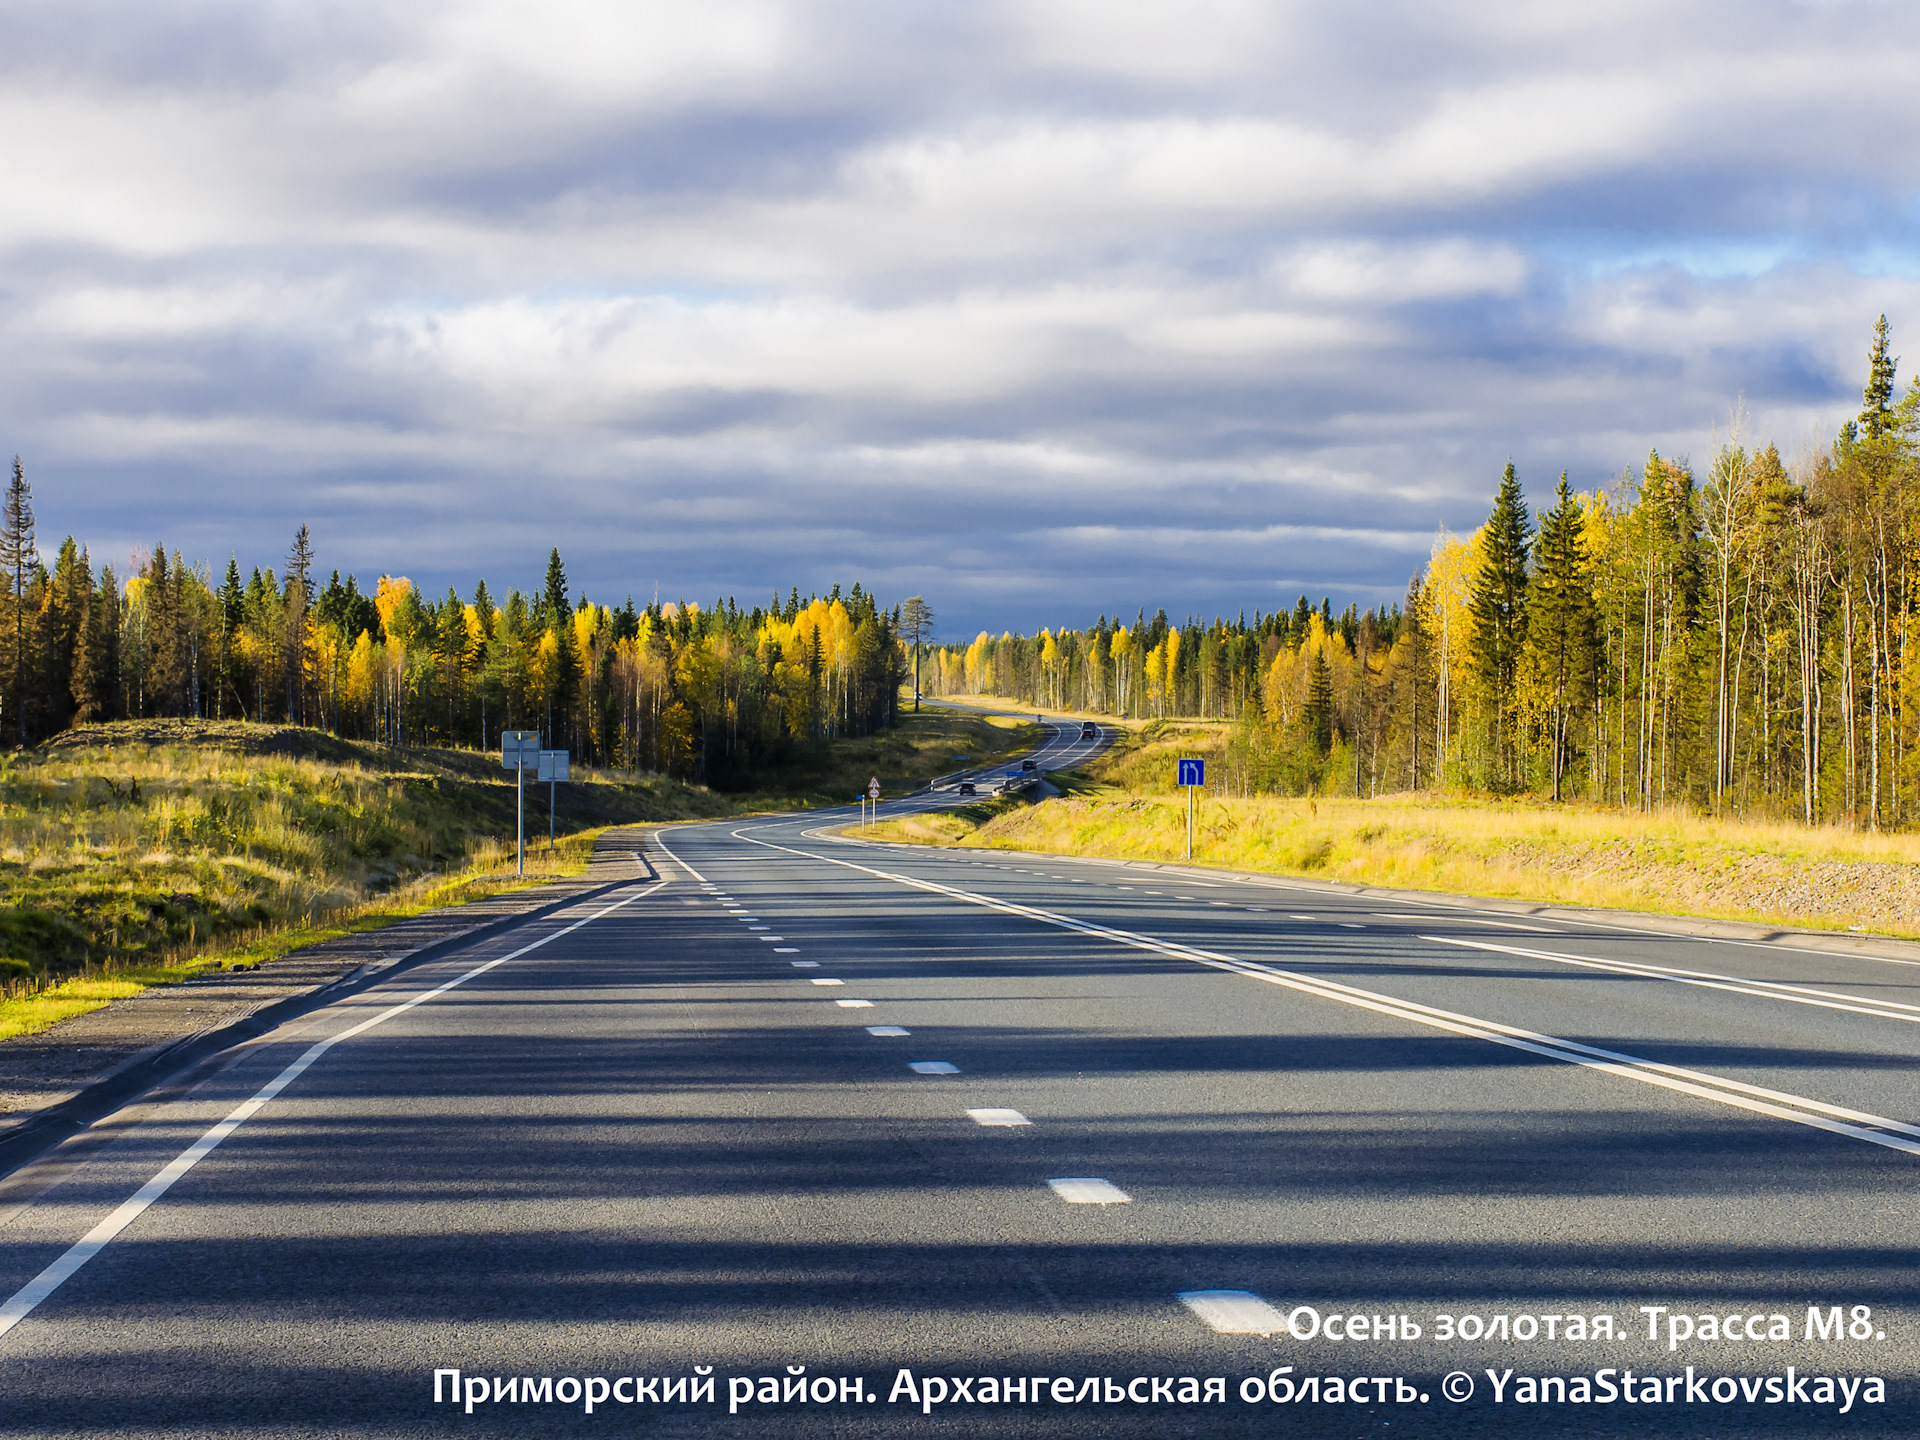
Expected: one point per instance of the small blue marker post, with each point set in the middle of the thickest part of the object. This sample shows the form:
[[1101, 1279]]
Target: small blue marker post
[[1190, 775]]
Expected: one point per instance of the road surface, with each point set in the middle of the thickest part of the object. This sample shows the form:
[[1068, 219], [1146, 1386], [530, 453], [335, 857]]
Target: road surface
[[981, 1117]]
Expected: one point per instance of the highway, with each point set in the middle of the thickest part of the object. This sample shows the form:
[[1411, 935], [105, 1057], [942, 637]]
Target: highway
[[793, 1100]]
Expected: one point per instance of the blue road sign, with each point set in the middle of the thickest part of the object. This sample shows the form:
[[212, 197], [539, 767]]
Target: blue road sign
[[1192, 772]]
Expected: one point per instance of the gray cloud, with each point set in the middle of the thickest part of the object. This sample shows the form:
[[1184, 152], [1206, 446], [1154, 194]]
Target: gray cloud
[[1039, 309]]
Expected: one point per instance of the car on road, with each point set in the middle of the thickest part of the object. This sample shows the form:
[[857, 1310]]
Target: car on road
[[1028, 765], [1087, 732], [966, 788]]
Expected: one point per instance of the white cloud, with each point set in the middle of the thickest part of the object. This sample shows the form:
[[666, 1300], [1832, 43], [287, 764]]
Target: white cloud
[[706, 272]]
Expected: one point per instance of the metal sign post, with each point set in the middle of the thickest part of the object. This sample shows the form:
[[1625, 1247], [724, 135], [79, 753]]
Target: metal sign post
[[1190, 775], [553, 769], [519, 749], [873, 798]]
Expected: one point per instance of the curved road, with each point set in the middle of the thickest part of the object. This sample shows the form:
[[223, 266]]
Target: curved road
[[793, 1100]]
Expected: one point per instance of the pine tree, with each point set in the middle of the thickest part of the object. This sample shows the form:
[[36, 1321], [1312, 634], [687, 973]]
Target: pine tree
[[916, 628], [1499, 608], [1562, 628]]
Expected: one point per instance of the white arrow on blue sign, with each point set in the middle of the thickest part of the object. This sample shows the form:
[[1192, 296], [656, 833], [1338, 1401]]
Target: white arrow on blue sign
[[1192, 772]]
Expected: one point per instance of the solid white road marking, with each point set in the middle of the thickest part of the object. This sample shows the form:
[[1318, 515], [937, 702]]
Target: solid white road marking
[[1719, 1090], [997, 1117], [933, 1067], [854, 1004], [103, 1234], [888, 1030], [1478, 924], [1086, 1190], [1234, 1312], [1709, 980]]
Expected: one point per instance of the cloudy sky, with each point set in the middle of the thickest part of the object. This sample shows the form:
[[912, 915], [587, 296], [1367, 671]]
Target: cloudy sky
[[1038, 309]]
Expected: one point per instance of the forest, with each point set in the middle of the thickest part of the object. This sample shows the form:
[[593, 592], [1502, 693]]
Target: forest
[[717, 695], [1735, 636]]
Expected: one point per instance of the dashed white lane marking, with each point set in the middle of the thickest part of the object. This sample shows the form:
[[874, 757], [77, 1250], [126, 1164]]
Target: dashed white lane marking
[[933, 1067], [759, 927], [1720, 1090], [1234, 1312], [1347, 925], [97, 1239], [888, 1030], [997, 1117], [769, 938], [803, 964], [1224, 904], [786, 950], [1299, 917], [852, 1004], [829, 982], [1086, 1190]]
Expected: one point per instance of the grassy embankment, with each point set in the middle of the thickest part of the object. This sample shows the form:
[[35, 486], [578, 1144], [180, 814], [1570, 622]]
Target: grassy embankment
[[1673, 862], [138, 853]]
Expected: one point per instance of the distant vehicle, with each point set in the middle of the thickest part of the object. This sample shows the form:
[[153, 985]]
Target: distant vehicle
[[966, 788], [1087, 732], [1028, 765]]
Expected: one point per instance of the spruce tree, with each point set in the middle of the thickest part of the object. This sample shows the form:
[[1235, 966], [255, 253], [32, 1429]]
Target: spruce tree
[[1876, 415], [1320, 704], [233, 613], [66, 597], [1499, 609], [1562, 625], [566, 678], [18, 558], [299, 600]]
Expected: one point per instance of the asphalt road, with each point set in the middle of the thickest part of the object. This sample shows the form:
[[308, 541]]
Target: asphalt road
[[808, 1102]]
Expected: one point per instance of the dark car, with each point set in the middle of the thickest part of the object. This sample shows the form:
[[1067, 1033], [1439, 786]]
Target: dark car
[[1087, 732], [966, 788], [1028, 765]]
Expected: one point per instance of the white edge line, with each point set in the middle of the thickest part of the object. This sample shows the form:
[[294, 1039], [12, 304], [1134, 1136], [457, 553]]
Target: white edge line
[[97, 1239]]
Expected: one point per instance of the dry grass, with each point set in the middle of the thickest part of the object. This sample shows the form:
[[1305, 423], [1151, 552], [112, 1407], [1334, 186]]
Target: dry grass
[[29, 1012], [145, 844], [1671, 862]]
